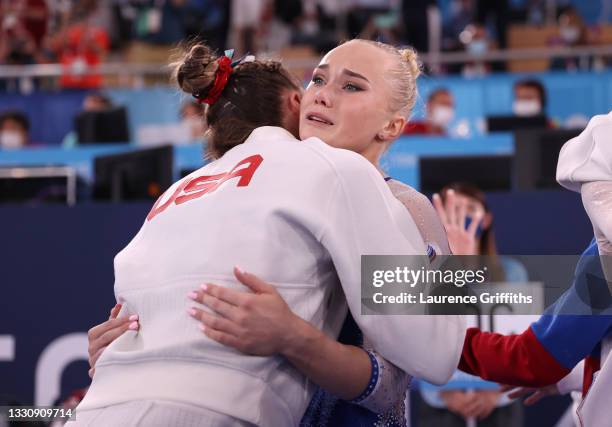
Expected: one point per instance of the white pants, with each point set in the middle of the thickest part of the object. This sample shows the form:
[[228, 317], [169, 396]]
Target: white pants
[[154, 413]]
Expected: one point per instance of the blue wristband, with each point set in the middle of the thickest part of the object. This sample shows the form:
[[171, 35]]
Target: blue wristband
[[373, 379]]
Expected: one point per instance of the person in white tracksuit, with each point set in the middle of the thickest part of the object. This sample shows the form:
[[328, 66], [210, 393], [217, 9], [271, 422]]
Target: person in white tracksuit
[[298, 214], [585, 165]]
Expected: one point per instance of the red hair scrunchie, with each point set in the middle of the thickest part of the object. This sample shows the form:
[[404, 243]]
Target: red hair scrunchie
[[221, 78]]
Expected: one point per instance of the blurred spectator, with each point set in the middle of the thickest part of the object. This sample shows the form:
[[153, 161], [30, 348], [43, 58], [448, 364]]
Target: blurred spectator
[[461, 15], [494, 12], [93, 102], [440, 111], [24, 19], [192, 119], [14, 130], [23, 24], [529, 98], [97, 102], [80, 47], [415, 20], [160, 21], [315, 25], [471, 200], [208, 20], [246, 16], [476, 40], [468, 222], [572, 32], [361, 12], [191, 129]]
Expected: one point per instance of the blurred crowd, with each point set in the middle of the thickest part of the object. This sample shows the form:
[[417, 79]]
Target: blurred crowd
[[80, 34]]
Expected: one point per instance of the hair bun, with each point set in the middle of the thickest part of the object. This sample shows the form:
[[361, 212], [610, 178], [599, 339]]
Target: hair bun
[[196, 69], [410, 56]]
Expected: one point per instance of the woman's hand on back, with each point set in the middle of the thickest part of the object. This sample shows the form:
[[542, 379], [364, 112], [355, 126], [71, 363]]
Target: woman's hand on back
[[102, 335], [258, 322]]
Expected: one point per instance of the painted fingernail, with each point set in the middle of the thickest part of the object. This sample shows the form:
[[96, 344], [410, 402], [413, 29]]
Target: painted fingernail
[[204, 287], [192, 311], [133, 317], [133, 326], [193, 295]]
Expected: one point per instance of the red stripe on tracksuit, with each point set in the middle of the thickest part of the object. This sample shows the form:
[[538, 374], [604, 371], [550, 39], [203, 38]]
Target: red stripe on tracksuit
[[591, 365], [518, 360]]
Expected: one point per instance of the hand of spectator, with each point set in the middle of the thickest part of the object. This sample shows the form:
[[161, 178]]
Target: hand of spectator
[[453, 214], [102, 335], [534, 395], [456, 401], [258, 322], [471, 404], [482, 403]]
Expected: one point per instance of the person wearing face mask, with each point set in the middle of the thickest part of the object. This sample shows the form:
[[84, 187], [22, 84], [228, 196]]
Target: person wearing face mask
[[477, 43], [93, 102], [440, 112], [572, 33], [529, 98], [14, 130]]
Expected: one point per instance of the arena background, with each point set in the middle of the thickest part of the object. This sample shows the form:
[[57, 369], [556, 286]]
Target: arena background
[[62, 221]]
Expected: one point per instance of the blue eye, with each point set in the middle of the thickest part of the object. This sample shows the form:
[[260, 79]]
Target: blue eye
[[351, 87], [317, 80]]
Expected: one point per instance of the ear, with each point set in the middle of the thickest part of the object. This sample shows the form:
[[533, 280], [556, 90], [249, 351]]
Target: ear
[[392, 130], [487, 220], [293, 102]]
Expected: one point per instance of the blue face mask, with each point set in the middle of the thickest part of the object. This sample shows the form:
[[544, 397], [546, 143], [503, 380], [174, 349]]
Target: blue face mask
[[479, 230], [477, 47]]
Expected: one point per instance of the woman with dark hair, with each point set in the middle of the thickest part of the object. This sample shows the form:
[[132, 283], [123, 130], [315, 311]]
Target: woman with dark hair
[[468, 221]]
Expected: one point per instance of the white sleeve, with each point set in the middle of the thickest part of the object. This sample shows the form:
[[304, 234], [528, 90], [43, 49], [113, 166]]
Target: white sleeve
[[572, 381], [597, 201], [365, 219]]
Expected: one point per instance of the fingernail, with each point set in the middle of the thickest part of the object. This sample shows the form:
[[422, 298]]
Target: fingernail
[[436, 195], [192, 311], [133, 317], [204, 287], [193, 295], [133, 326], [202, 327], [451, 191], [240, 270]]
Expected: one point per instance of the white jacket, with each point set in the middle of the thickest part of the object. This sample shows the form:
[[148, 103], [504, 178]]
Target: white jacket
[[299, 214], [585, 166]]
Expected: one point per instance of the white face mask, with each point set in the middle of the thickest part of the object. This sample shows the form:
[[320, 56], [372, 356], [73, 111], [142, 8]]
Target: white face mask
[[442, 115], [11, 139], [477, 47], [570, 34], [526, 107]]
